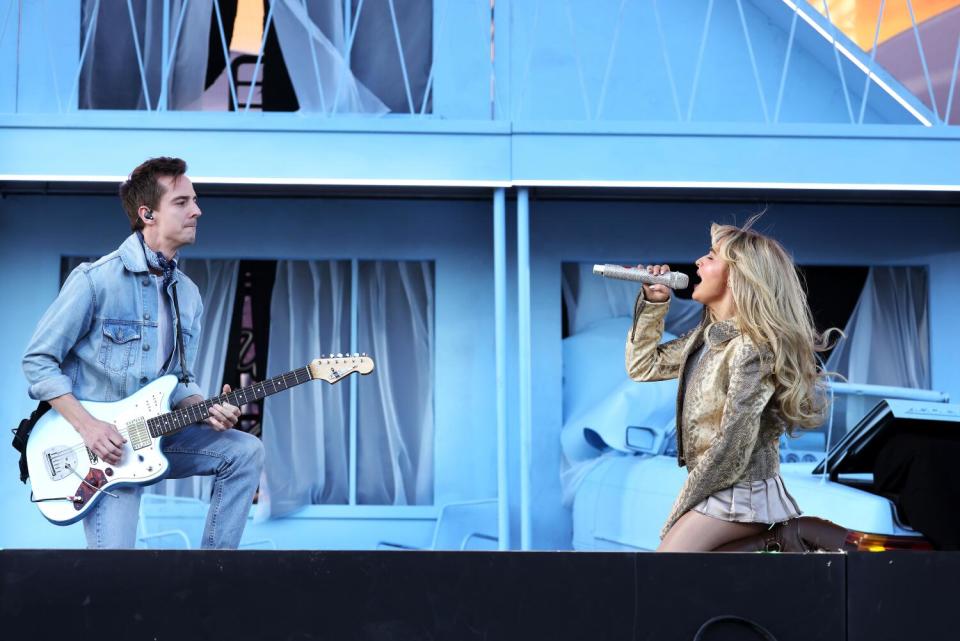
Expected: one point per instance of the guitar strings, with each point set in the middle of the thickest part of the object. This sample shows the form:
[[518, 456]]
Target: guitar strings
[[292, 375]]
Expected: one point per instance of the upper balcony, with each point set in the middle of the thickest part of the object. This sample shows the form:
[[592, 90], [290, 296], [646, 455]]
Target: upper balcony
[[485, 92]]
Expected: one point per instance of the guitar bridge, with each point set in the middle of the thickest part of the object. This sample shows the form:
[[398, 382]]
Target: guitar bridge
[[59, 461]]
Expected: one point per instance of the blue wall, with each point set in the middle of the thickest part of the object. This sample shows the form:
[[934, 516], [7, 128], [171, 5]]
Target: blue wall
[[599, 63]]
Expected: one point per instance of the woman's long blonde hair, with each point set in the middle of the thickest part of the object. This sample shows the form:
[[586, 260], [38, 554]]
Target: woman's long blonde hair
[[772, 310]]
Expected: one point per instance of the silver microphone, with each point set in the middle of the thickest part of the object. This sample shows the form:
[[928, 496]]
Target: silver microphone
[[673, 280]]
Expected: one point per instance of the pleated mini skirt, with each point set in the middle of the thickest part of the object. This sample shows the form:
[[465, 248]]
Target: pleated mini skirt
[[765, 501]]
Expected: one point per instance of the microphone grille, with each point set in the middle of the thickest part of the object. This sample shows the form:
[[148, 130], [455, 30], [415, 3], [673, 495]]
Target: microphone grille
[[680, 280]]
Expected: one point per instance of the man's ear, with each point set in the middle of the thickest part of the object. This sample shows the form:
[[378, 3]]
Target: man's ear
[[146, 215]]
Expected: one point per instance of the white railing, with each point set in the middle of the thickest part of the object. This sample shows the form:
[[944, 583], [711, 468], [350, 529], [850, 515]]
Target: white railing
[[484, 59]]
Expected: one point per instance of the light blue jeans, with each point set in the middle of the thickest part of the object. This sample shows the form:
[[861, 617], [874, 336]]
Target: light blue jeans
[[234, 457]]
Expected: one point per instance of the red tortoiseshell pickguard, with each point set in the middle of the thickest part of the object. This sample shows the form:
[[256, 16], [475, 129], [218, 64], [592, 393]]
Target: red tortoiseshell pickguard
[[97, 479]]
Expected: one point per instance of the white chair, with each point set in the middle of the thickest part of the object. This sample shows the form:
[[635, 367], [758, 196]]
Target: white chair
[[461, 526], [186, 510], [149, 533]]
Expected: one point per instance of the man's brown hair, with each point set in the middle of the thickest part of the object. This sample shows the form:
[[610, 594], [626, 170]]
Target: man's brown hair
[[143, 188]]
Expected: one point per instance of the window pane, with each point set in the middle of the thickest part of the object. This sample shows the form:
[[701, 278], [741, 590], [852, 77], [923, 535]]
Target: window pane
[[395, 406]]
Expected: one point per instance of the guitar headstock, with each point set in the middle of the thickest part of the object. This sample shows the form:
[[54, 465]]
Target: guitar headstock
[[337, 366]]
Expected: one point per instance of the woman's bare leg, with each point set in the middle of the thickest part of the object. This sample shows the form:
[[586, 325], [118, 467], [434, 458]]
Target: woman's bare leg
[[695, 532]]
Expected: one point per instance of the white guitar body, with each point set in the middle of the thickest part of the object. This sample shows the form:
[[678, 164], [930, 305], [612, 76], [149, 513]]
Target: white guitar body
[[68, 480]]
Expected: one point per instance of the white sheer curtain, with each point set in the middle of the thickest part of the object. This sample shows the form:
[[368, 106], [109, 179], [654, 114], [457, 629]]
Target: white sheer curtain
[[311, 36], [589, 298], [110, 78], [305, 430], [217, 282], [375, 59], [395, 413], [888, 340]]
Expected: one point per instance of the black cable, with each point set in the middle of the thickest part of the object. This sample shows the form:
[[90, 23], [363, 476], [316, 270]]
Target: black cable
[[753, 625]]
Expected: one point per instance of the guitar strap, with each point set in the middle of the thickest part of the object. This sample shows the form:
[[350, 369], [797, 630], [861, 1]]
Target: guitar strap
[[22, 433], [160, 265], [185, 375]]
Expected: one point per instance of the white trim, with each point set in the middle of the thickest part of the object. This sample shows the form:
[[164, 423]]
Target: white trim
[[62, 178], [368, 512], [363, 182], [337, 511], [735, 184], [849, 56], [531, 182], [240, 180]]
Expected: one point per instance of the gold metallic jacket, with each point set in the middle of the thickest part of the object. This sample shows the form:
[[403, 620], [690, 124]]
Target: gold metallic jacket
[[728, 427]]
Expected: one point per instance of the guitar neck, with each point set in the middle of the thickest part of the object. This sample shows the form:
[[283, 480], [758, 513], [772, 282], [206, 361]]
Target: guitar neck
[[178, 419]]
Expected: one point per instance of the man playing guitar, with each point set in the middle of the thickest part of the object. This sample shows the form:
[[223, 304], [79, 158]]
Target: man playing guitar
[[123, 321]]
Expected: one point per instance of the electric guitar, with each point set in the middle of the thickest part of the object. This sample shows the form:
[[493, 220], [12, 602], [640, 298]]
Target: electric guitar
[[67, 478]]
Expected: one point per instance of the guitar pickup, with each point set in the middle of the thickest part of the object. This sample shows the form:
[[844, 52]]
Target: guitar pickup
[[139, 433]]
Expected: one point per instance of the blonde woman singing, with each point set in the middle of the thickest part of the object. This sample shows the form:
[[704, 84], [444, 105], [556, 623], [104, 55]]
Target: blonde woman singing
[[748, 373]]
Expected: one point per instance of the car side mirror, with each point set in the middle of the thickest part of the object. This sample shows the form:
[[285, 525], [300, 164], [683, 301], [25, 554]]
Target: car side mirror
[[644, 440]]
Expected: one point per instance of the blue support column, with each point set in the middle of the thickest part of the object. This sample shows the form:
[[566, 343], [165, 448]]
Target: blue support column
[[500, 333], [523, 342]]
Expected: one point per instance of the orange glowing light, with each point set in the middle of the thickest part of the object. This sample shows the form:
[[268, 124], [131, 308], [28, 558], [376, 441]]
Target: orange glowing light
[[858, 18]]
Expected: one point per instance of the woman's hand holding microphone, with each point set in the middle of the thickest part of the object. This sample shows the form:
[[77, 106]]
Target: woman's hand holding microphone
[[656, 293]]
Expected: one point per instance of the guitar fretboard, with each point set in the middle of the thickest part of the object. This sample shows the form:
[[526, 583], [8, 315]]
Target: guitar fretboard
[[178, 419]]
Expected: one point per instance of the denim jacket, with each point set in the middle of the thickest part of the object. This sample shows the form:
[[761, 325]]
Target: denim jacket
[[96, 340]]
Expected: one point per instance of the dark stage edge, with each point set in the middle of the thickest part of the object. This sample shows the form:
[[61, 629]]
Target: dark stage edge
[[414, 596]]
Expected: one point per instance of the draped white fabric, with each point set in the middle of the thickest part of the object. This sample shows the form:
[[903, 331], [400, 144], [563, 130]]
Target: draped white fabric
[[311, 36], [375, 59], [305, 433], [110, 78], [305, 430], [217, 282], [395, 413], [888, 340], [589, 298]]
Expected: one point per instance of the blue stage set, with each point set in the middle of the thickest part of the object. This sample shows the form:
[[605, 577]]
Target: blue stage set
[[429, 182]]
